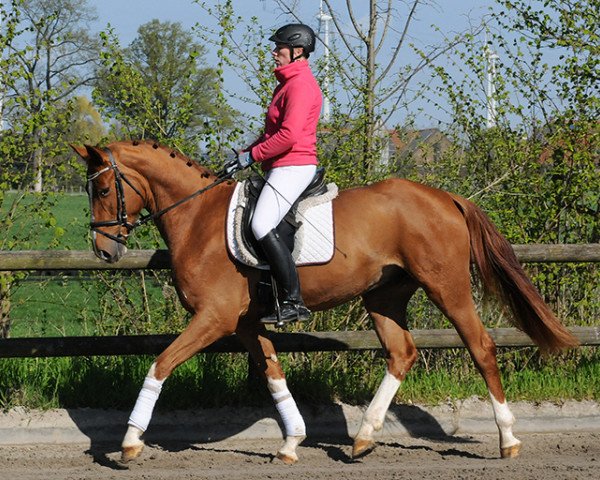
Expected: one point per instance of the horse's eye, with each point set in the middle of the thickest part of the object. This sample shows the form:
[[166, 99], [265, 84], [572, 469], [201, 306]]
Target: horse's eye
[[103, 192]]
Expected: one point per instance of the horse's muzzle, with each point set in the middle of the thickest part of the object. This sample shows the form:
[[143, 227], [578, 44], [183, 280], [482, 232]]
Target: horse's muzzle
[[109, 250]]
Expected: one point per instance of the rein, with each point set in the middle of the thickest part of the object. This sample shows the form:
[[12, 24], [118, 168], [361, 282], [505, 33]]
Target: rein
[[121, 219]]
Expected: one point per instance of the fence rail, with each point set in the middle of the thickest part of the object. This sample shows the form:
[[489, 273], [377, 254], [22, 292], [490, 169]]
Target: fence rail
[[159, 259], [284, 342]]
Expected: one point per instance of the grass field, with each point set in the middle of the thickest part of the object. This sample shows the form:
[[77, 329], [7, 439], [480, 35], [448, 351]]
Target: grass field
[[143, 302], [60, 220]]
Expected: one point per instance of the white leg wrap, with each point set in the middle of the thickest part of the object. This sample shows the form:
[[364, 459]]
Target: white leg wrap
[[287, 408], [132, 437], [289, 447], [375, 414], [504, 421], [290, 415], [142, 412]]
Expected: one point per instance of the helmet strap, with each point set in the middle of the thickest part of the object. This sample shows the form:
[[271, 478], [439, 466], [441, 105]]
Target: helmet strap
[[292, 58]]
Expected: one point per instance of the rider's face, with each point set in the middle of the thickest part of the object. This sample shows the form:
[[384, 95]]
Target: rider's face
[[281, 55]]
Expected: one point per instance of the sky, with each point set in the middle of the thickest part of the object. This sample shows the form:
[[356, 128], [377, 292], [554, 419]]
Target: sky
[[125, 16]]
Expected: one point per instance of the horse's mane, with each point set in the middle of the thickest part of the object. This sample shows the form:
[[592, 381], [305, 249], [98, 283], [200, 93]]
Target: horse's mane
[[172, 153]]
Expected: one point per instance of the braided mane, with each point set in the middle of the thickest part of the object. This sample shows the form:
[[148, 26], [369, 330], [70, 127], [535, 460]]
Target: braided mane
[[173, 154]]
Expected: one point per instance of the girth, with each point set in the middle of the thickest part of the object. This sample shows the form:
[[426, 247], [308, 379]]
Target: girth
[[288, 226]]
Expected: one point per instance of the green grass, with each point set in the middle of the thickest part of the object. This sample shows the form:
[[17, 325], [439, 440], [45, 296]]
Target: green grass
[[105, 304], [50, 308], [215, 380], [59, 220]]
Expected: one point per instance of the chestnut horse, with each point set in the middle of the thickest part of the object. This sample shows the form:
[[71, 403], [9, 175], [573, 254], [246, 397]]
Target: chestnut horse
[[391, 238]]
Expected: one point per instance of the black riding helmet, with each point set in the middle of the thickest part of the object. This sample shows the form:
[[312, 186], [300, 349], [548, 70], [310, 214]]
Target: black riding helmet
[[293, 36]]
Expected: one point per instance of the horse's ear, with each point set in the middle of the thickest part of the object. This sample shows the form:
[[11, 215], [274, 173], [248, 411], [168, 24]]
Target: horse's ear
[[90, 155], [80, 150]]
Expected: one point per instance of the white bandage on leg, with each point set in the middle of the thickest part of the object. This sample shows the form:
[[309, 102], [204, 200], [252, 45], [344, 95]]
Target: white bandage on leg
[[290, 415], [142, 412], [504, 421], [375, 415]]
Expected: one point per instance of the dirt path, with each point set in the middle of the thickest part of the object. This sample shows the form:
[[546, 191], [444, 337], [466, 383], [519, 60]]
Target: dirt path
[[545, 457]]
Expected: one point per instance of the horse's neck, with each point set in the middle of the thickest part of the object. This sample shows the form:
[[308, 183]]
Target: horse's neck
[[169, 186]]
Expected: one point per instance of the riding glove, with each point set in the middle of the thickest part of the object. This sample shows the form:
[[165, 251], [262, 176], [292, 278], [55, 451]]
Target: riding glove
[[244, 160]]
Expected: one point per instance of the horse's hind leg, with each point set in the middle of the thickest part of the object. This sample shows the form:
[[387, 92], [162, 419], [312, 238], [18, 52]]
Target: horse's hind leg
[[262, 351], [453, 296], [387, 306]]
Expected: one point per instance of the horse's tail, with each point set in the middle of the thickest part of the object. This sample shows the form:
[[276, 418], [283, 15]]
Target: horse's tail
[[503, 277]]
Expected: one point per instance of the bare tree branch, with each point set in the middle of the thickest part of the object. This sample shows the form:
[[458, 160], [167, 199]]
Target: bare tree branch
[[343, 35], [426, 61], [400, 43], [495, 182], [386, 27], [355, 24]]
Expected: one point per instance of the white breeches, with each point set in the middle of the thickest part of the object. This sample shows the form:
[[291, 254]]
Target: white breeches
[[282, 188]]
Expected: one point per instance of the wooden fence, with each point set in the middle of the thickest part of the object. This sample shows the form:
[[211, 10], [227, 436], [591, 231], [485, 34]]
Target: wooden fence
[[159, 259], [284, 342]]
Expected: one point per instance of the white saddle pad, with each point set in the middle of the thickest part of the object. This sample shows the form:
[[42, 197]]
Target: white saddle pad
[[314, 242]]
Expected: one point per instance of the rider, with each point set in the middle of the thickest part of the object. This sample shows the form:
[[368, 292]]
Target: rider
[[288, 154]]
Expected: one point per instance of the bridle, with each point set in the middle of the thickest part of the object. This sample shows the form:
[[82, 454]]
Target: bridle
[[121, 219]]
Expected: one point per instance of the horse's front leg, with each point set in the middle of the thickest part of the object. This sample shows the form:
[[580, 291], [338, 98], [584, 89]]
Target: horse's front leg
[[133, 445], [263, 353], [201, 332]]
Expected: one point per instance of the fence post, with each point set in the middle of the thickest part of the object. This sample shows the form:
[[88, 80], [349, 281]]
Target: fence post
[[5, 283]]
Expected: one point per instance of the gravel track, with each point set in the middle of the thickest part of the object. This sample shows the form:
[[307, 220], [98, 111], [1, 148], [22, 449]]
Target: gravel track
[[545, 456]]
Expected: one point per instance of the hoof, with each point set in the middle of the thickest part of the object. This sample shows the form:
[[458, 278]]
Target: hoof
[[511, 452], [131, 453], [288, 459], [362, 447]]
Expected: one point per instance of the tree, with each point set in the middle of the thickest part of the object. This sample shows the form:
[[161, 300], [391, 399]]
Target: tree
[[53, 65], [537, 171], [376, 88], [159, 87], [86, 125], [45, 52]]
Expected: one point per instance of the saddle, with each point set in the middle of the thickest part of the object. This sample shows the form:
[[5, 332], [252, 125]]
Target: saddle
[[289, 225]]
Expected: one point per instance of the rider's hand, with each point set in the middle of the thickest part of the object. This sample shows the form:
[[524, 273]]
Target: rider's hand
[[243, 160]]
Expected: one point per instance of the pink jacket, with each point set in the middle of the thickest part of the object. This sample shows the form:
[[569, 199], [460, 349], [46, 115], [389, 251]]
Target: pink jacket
[[290, 136]]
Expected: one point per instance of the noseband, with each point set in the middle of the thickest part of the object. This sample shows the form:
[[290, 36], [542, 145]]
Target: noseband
[[122, 220]]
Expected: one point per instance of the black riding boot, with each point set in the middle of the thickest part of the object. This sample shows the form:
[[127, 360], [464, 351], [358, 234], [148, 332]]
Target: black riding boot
[[285, 274]]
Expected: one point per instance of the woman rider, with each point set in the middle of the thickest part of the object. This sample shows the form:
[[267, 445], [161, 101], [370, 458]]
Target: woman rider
[[288, 154]]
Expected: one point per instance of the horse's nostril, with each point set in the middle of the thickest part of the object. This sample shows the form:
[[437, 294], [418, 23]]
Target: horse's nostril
[[107, 256], [103, 255]]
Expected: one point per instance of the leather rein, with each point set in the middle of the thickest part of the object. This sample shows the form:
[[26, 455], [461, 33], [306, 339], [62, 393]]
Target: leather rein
[[121, 219]]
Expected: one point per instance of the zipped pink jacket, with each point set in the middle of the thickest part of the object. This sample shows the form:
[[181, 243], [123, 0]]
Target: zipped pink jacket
[[290, 136]]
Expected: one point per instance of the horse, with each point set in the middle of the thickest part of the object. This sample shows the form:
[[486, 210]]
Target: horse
[[391, 238]]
